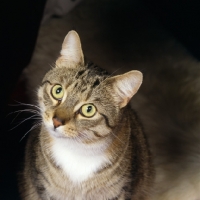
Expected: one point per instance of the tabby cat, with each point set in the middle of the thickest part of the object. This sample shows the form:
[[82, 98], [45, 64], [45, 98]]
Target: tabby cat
[[90, 144]]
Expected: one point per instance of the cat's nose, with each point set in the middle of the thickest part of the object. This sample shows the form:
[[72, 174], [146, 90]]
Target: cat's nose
[[57, 122]]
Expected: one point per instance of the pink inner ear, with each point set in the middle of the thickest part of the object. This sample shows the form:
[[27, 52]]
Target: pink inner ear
[[71, 50], [126, 85]]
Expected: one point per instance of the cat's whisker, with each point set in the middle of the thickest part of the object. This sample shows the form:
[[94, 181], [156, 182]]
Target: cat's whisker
[[36, 112], [32, 128], [115, 71], [31, 117], [108, 77], [25, 110], [117, 137], [91, 140], [20, 111], [77, 140], [39, 121], [14, 117], [27, 104]]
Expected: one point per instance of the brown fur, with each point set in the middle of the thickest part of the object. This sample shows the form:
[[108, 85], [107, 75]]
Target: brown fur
[[115, 129]]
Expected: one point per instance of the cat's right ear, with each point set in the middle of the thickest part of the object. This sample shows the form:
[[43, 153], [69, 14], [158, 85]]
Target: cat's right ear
[[71, 53], [124, 86]]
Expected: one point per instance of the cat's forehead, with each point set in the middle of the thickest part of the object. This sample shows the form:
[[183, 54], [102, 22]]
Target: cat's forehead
[[92, 75], [61, 74]]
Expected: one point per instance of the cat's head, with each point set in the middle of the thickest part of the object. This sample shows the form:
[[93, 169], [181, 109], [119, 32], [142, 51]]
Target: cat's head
[[81, 101]]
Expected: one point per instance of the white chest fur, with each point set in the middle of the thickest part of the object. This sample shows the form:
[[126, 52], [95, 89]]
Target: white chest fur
[[76, 161]]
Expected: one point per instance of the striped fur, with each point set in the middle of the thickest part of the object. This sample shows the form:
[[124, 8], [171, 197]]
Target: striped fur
[[104, 157]]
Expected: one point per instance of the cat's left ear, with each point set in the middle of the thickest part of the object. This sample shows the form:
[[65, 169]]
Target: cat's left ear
[[125, 86], [71, 53]]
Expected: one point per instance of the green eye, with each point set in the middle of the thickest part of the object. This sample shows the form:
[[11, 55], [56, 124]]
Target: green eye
[[88, 110], [57, 92]]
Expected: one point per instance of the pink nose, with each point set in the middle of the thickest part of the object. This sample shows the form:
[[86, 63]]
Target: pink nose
[[56, 122]]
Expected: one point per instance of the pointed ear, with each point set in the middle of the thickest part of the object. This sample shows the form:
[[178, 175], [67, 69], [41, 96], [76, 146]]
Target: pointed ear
[[71, 53], [125, 86]]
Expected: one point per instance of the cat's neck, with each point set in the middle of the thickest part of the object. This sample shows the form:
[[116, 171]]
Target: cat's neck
[[78, 161], [79, 148]]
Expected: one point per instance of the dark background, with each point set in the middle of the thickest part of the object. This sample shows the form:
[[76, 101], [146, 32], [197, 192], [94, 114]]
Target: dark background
[[20, 21]]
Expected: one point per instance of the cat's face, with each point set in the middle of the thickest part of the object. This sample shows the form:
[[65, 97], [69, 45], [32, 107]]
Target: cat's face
[[83, 102], [75, 103]]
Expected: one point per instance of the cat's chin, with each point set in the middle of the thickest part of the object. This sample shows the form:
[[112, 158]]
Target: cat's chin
[[57, 135]]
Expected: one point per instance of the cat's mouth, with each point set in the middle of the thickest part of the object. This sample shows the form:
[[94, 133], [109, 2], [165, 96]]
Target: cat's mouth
[[55, 132], [63, 132]]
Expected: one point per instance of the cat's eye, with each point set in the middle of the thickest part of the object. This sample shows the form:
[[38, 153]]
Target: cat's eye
[[57, 92], [88, 110]]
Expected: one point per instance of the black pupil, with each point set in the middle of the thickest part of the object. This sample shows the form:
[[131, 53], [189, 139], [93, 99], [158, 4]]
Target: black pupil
[[89, 108], [58, 90]]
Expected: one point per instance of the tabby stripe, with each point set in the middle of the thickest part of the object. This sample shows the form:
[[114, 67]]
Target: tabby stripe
[[40, 189], [96, 134], [46, 95], [125, 188], [84, 89], [46, 82], [80, 73], [100, 136], [35, 172], [89, 95], [75, 85], [96, 83], [106, 120]]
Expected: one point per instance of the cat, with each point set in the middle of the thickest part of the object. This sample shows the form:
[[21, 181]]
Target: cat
[[91, 144]]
